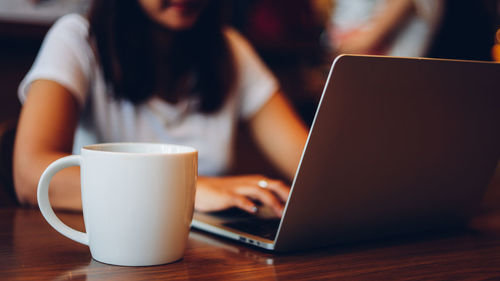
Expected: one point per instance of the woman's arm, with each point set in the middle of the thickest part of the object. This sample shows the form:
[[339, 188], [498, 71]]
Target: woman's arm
[[280, 133], [45, 133]]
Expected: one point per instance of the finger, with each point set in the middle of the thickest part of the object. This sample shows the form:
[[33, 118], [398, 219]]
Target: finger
[[244, 203], [280, 189], [263, 195]]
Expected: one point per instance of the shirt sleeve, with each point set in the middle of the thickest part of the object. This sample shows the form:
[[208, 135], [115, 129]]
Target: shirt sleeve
[[64, 57], [255, 83]]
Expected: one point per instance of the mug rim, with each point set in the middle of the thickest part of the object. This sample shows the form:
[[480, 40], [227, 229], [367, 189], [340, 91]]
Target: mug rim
[[101, 148]]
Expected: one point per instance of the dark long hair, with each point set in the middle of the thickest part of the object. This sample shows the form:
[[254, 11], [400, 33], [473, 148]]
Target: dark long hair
[[141, 58]]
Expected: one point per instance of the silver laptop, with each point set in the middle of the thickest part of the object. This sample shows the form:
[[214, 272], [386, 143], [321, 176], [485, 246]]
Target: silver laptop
[[397, 145]]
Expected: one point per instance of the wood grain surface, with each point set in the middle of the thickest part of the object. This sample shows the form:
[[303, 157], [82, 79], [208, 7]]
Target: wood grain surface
[[31, 250]]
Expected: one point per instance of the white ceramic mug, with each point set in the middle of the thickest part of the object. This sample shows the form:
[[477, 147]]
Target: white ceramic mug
[[137, 199]]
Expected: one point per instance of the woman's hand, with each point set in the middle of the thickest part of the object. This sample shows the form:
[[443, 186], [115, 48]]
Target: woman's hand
[[244, 192]]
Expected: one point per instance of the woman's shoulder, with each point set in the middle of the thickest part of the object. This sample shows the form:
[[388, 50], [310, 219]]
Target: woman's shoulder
[[235, 39], [69, 36], [71, 25], [241, 48], [231, 33], [65, 57]]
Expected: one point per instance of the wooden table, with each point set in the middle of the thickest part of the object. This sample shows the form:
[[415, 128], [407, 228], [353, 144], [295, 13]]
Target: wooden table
[[31, 250]]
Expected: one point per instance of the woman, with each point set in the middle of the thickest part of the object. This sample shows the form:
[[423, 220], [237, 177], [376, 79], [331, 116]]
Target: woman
[[154, 71]]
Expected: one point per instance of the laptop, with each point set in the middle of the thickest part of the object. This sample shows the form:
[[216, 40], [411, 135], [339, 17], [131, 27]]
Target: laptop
[[397, 146]]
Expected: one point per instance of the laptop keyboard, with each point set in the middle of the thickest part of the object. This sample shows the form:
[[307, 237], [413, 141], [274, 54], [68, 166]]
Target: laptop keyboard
[[266, 228]]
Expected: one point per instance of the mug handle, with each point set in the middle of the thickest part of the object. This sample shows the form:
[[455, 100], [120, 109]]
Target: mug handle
[[44, 203]]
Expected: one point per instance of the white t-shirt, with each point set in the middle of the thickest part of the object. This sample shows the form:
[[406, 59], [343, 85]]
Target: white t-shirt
[[413, 38], [66, 57]]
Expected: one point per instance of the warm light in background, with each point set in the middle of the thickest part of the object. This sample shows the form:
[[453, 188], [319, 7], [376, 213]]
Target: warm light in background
[[496, 47]]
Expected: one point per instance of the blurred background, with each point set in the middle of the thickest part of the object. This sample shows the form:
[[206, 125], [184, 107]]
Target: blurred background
[[297, 39]]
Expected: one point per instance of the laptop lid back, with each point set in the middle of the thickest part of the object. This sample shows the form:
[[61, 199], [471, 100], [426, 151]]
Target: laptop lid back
[[397, 145]]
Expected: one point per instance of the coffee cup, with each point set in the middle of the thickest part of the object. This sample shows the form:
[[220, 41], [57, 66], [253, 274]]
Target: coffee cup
[[137, 201]]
